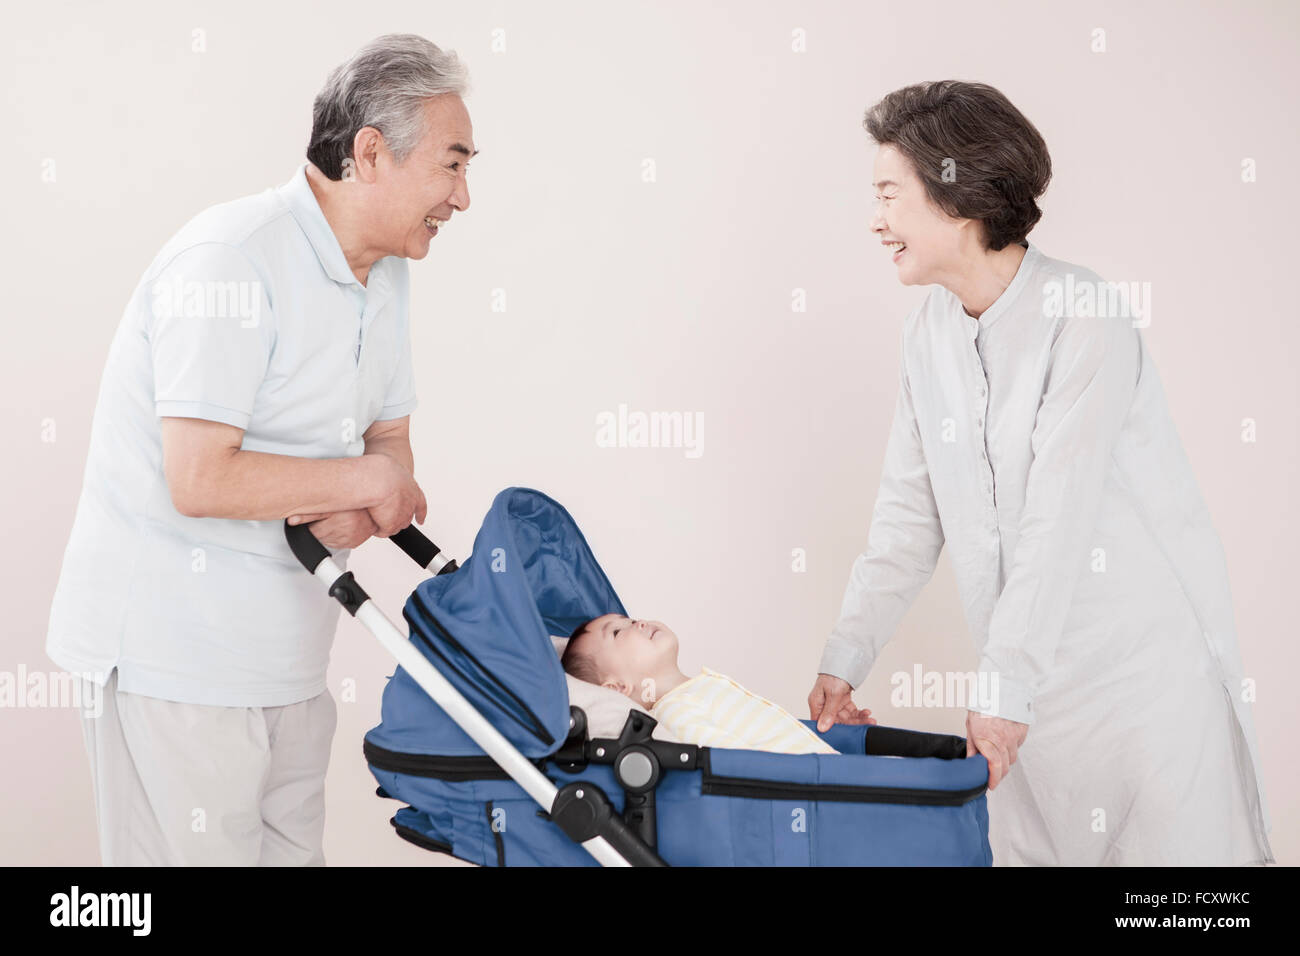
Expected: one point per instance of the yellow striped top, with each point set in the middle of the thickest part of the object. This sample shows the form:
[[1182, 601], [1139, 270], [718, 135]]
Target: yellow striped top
[[712, 710]]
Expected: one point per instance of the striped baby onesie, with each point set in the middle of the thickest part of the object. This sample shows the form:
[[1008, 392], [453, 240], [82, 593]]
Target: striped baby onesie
[[712, 710]]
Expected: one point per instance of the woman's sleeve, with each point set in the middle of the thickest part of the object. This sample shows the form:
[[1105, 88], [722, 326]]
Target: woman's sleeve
[[1090, 385], [903, 547]]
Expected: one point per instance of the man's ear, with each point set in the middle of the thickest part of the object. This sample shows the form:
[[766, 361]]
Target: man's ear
[[366, 146]]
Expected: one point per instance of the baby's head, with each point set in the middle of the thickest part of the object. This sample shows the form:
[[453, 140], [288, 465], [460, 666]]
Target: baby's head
[[622, 654]]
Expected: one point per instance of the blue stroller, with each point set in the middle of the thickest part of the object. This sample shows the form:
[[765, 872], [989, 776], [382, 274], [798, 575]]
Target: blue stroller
[[478, 739]]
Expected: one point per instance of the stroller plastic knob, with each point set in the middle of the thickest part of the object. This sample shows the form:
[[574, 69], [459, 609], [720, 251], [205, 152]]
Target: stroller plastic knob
[[636, 769]]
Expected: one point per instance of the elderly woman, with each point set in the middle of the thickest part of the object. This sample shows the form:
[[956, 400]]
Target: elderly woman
[[1031, 435]]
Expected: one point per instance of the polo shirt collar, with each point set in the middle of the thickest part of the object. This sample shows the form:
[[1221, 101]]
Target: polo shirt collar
[[306, 210]]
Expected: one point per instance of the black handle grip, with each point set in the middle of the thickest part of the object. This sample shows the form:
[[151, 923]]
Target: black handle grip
[[419, 548], [306, 547], [896, 742]]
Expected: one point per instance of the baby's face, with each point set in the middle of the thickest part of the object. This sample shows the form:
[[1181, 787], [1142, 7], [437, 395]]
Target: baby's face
[[629, 650]]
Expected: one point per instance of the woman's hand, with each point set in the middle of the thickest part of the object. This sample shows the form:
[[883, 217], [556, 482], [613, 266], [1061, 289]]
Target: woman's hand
[[998, 739], [831, 702], [343, 529]]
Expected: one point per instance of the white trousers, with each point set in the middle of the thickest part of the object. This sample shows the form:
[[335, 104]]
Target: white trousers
[[197, 785]]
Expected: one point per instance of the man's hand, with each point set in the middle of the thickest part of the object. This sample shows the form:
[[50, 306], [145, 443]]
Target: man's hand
[[403, 500], [343, 529], [997, 739], [391, 473], [831, 702], [390, 442]]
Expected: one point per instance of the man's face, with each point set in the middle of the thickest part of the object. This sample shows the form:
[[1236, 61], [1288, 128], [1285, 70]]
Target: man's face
[[626, 651], [429, 185], [904, 213]]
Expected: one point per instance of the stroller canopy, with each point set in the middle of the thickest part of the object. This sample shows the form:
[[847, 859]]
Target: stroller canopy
[[487, 628]]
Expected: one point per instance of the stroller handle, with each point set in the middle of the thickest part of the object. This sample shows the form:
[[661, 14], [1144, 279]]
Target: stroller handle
[[306, 547]]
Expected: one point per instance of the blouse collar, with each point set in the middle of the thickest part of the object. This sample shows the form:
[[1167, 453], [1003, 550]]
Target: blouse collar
[[1004, 302]]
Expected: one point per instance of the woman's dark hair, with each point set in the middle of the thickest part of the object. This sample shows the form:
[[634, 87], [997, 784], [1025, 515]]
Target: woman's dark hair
[[978, 155]]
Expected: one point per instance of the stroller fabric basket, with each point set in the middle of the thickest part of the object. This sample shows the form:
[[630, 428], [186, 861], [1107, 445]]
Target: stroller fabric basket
[[478, 738], [889, 797]]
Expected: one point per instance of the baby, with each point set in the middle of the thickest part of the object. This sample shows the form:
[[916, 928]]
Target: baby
[[639, 659]]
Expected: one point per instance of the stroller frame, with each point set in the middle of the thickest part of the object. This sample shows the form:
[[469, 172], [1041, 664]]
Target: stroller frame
[[582, 810]]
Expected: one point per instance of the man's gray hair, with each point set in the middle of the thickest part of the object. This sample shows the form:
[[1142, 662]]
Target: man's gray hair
[[384, 85]]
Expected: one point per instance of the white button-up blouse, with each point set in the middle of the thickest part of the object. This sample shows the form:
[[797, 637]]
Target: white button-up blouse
[[1036, 443]]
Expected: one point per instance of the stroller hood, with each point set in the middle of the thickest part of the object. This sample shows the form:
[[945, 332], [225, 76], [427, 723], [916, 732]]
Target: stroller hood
[[487, 629]]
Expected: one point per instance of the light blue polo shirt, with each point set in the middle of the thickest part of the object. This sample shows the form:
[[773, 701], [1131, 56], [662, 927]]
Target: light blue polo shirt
[[249, 316]]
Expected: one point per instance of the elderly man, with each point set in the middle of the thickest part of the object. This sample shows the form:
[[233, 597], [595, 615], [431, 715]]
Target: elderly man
[[262, 371]]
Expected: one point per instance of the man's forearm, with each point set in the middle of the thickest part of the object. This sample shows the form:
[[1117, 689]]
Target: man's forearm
[[397, 447], [256, 486]]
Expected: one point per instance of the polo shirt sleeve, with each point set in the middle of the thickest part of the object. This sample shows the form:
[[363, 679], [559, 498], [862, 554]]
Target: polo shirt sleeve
[[211, 332], [401, 398]]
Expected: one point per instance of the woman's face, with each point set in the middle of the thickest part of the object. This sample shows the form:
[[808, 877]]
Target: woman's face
[[904, 214]]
